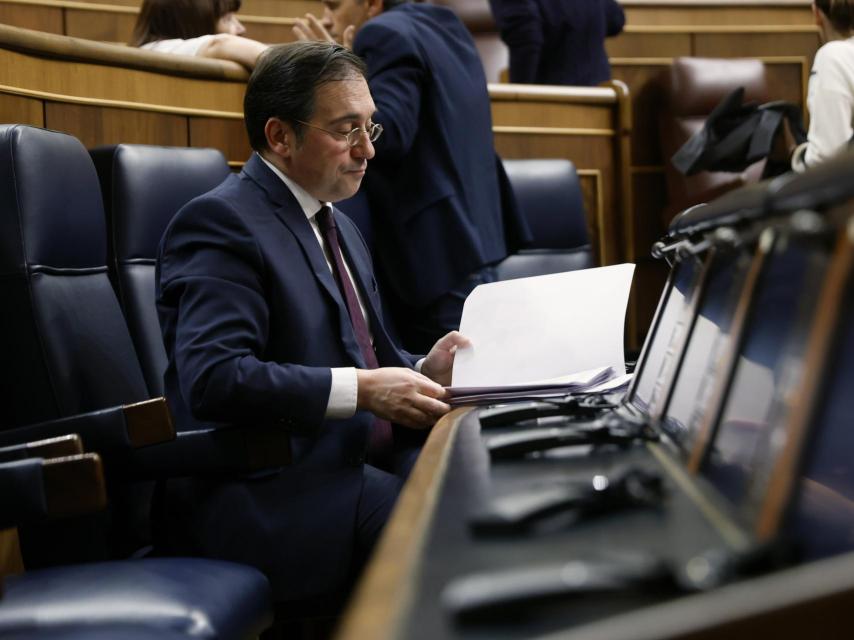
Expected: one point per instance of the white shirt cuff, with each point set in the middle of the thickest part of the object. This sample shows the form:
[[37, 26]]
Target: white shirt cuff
[[419, 364], [342, 394]]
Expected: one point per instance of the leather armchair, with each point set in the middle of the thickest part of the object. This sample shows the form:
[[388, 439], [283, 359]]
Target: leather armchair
[[69, 361], [549, 195], [164, 598], [143, 187], [690, 89]]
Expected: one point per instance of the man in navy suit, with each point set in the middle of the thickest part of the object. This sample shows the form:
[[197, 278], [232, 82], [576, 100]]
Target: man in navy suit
[[435, 188], [271, 316], [558, 41]]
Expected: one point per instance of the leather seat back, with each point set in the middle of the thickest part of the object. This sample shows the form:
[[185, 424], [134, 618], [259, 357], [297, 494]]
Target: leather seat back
[[66, 347], [690, 89], [549, 195], [144, 187]]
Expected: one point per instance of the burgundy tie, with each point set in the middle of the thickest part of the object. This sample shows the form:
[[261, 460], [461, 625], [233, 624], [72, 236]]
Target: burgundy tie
[[381, 436]]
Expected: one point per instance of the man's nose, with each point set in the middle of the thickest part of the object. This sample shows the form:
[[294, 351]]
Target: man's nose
[[364, 148], [239, 29]]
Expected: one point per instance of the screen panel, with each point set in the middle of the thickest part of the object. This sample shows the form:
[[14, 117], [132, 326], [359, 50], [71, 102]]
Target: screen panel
[[822, 517], [750, 434], [708, 340], [674, 317]]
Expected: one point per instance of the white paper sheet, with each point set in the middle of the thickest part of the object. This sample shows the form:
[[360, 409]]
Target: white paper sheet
[[544, 327]]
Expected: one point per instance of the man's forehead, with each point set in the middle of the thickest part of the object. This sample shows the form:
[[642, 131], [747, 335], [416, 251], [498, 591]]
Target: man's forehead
[[344, 99]]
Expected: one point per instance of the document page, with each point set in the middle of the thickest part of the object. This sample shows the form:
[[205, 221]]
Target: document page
[[532, 329]]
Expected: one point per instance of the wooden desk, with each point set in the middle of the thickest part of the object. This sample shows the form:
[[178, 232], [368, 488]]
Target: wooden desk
[[809, 601]]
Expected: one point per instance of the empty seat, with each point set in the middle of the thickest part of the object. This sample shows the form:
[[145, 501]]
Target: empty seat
[[143, 188], [549, 196]]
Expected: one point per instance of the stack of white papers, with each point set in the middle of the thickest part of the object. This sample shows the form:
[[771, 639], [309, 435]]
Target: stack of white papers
[[543, 336]]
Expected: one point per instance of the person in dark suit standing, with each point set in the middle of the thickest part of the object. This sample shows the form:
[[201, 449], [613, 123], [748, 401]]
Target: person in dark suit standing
[[558, 41], [271, 316], [435, 188]]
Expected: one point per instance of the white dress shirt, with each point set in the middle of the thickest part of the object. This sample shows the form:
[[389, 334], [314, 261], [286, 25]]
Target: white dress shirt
[[342, 395]]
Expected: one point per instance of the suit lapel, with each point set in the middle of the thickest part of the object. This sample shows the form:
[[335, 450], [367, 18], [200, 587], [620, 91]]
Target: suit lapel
[[288, 210]]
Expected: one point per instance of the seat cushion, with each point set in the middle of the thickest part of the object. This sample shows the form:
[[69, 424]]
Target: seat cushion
[[196, 597]]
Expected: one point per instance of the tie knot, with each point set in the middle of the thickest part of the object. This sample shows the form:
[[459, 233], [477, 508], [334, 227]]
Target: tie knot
[[325, 219]]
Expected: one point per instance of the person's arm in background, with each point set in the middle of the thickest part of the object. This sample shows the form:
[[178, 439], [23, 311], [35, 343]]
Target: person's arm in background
[[396, 78], [615, 18], [225, 46], [521, 25], [831, 107]]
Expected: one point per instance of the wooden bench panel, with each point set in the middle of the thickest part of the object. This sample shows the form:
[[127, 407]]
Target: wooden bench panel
[[21, 110], [40, 18], [97, 125], [732, 13]]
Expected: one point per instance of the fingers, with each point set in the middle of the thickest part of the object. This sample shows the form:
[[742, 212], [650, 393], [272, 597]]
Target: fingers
[[401, 395], [310, 28]]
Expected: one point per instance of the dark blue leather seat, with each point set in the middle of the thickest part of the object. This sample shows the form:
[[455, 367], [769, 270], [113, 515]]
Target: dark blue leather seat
[[143, 187], [178, 597], [549, 195], [148, 598], [69, 362]]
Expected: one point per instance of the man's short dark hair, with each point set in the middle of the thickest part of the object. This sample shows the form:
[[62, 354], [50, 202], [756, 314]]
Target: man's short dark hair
[[285, 80]]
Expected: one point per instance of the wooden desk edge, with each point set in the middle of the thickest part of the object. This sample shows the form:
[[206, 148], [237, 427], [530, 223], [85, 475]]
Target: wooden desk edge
[[385, 591]]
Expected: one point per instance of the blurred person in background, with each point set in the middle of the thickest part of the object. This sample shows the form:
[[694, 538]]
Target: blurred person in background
[[558, 41], [206, 28], [830, 99]]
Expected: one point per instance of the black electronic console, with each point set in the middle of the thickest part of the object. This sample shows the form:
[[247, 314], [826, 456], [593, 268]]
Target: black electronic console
[[480, 596], [615, 428], [583, 406], [601, 494]]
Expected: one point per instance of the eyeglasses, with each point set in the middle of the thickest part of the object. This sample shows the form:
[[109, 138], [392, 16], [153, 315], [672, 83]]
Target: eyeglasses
[[353, 137]]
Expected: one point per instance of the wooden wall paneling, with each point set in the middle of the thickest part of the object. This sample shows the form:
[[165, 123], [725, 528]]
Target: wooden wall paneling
[[94, 125], [21, 110], [226, 134], [106, 26], [281, 8], [269, 30], [633, 44], [737, 14], [40, 18], [96, 81], [640, 76], [757, 44]]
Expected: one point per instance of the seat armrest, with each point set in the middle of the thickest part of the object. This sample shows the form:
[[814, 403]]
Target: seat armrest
[[225, 450], [59, 447], [110, 430], [36, 489]]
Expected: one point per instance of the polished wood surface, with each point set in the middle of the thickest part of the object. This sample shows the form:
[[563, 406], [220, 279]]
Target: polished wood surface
[[385, 591]]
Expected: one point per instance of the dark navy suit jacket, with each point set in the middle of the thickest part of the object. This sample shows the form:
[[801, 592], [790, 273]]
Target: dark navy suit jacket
[[434, 184], [252, 322], [558, 41]]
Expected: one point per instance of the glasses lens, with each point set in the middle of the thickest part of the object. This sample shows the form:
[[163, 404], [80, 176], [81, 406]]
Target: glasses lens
[[375, 132]]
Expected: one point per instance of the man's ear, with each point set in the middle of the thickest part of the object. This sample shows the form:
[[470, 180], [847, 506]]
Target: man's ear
[[375, 7], [280, 137]]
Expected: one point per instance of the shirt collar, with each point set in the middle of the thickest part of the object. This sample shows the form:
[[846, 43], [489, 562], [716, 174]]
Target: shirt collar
[[309, 204]]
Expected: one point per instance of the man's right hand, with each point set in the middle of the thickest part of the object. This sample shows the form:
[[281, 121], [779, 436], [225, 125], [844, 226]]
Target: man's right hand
[[401, 395]]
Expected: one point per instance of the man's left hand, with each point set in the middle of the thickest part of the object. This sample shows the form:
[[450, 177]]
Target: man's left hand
[[310, 28], [440, 361]]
